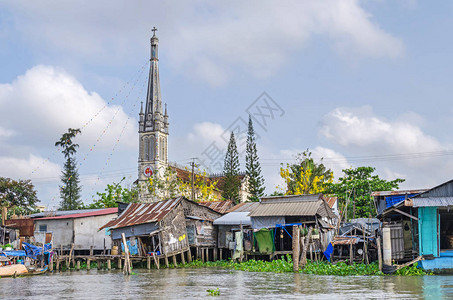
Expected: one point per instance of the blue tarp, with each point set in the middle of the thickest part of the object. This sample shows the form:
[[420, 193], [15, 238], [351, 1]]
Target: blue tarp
[[328, 251], [33, 251], [20, 253], [133, 250]]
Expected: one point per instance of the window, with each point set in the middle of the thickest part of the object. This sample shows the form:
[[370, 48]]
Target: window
[[43, 228]]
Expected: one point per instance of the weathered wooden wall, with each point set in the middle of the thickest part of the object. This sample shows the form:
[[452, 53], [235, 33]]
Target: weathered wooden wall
[[202, 212], [174, 233], [202, 233]]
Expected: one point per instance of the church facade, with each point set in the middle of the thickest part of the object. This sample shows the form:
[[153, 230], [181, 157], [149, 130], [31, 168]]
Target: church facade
[[153, 136]]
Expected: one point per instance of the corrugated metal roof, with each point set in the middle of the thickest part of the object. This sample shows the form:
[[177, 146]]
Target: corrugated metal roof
[[218, 206], [101, 212], [291, 198], [294, 205], [305, 208], [432, 201], [234, 218], [57, 213], [139, 213], [244, 207]]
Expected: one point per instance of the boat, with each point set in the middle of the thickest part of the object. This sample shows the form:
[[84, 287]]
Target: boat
[[20, 270]]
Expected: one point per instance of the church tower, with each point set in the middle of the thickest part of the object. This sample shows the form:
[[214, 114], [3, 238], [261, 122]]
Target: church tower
[[153, 127]]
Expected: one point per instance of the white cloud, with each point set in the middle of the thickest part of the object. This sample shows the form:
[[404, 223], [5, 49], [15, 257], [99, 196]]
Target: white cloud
[[210, 40], [46, 101], [6, 132], [362, 129], [27, 168]]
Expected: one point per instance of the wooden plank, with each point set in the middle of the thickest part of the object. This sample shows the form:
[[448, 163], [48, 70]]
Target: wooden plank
[[127, 266], [405, 214]]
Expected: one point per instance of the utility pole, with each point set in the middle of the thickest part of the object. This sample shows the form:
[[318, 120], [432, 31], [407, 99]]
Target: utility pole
[[193, 177], [353, 203]]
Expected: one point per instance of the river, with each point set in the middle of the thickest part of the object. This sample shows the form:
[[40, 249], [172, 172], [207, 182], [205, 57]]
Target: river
[[193, 283]]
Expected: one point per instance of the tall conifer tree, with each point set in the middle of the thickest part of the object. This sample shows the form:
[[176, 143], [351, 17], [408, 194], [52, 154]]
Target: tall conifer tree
[[231, 171], [70, 188], [252, 166]]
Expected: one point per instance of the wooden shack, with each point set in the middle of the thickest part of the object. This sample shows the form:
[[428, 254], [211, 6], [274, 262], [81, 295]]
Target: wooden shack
[[166, 227], [276, 215]]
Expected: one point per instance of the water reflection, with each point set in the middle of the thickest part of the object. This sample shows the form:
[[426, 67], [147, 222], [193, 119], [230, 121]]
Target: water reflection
[[193, 283]]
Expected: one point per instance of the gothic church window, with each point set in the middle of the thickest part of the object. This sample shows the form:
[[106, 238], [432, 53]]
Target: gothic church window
[[146, 150]]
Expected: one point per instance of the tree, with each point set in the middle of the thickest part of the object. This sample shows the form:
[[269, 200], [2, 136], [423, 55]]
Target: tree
[[115, 193], [355, 188], [17, 194], [70, 189], [164, 187], [170, 186], [252, 166], [305, 176], [231, 171]]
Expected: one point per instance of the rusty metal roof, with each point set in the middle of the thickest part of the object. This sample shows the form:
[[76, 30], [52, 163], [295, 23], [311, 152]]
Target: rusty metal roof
[[244, 207], [299, 205], [218, 206], [344, 240], [399, 192], [140, 213]]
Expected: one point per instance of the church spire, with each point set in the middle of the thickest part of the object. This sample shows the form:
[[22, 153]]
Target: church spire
[[153, 107]]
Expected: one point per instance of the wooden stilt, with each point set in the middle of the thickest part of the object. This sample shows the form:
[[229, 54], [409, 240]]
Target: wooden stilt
[[311, 252], [351, 254], [58, 263], [148, 262], [183, 260], [189, 255], [78, 265], [202, 255], [304, 252], [120, 261], [166, 261], [221, 256], [51, 263], [196, 253], [88, 264], [379, 253], [174, 260], [99, 263], [109, 264], [207, 254], [215, 253], [296, 250]]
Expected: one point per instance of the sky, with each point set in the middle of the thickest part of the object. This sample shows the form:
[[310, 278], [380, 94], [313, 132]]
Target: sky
[[359, 83]]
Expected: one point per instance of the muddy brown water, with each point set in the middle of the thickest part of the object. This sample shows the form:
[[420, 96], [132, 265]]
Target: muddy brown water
[[193, 284]]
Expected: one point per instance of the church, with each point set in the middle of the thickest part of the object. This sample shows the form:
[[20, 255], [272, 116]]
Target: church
[[153, 138]]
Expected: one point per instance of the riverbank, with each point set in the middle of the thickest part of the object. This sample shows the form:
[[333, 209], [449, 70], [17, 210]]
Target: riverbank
[[285, 265]]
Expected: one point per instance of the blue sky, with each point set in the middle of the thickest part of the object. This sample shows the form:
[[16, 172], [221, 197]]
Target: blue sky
[[360, 83]]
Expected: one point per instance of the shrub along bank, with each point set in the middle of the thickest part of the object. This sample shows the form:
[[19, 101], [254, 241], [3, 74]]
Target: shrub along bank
[[317, 268]]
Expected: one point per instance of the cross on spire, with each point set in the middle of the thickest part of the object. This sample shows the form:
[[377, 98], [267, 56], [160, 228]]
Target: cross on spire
[[154, 31]]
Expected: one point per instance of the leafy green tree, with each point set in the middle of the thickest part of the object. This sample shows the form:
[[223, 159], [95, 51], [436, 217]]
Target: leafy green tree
[[252, 166], [231, 172], [115, 193], [17, 194], [354, 191], [70, 188], [305, 176]]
